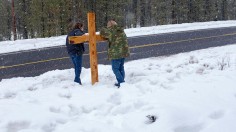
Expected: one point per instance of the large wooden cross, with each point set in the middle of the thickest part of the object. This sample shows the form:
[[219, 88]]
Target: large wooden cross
[[91, 38]]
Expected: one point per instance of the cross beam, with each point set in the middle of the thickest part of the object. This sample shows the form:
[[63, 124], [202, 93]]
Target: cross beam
[[91, 38]]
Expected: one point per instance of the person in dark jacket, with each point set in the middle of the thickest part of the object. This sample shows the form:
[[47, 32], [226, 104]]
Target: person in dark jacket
[[118, 49], [76, 51]]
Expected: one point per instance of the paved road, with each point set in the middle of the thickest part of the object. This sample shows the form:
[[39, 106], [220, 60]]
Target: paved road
[[36, 62]]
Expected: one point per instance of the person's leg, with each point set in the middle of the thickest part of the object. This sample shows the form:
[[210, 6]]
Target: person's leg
[[115, 68], [77, 61], [122, 69]]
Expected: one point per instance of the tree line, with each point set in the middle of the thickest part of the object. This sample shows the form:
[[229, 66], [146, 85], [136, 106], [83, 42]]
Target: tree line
[[46, 18]]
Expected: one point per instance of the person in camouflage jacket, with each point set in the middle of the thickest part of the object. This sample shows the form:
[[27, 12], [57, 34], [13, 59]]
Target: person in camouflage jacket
[[118, 49]]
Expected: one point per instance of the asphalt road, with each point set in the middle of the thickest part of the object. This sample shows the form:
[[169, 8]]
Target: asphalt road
[[36, 62]]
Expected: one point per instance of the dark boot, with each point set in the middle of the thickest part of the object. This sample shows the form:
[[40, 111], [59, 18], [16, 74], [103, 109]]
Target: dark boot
[[117, 85]]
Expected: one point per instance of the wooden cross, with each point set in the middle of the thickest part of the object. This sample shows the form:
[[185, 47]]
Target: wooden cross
[[91, 38]]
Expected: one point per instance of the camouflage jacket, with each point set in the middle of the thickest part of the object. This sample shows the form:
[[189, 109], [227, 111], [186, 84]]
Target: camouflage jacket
[[118, 44]]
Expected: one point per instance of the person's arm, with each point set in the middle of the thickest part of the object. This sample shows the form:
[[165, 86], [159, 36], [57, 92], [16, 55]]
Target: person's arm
[[105, 33], [78, 33]]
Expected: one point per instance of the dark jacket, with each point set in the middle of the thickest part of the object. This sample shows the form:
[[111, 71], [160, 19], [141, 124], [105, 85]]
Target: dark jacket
[[73, 49], [118, 44]]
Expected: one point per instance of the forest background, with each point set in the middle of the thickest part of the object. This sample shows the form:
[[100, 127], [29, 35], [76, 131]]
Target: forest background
[[47, 18]]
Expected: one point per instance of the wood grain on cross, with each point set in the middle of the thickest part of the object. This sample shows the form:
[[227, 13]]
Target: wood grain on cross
[[91, 38]]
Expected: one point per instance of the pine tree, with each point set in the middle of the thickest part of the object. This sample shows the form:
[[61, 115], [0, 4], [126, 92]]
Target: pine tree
[[6, 21], [45, 18]]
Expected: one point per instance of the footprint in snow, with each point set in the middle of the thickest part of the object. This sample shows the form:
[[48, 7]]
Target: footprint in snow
[[217, 114], [17, 126], [9, 95], [187, 128]]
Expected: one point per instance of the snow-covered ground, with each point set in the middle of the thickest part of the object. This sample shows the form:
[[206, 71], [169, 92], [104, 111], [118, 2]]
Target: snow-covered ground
[[187, 92], [19, 45]]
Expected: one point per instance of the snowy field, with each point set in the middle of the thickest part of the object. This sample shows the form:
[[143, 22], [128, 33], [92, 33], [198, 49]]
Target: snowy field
[[19, 45], [187, 92]]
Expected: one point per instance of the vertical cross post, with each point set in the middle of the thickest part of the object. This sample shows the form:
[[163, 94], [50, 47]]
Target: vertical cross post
[[92, 47]]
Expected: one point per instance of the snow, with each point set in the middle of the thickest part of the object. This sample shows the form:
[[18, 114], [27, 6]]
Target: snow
[[30, 44], [187, 92]]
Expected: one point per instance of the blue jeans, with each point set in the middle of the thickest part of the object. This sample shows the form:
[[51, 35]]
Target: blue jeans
[[77, 61], [118, 69]]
